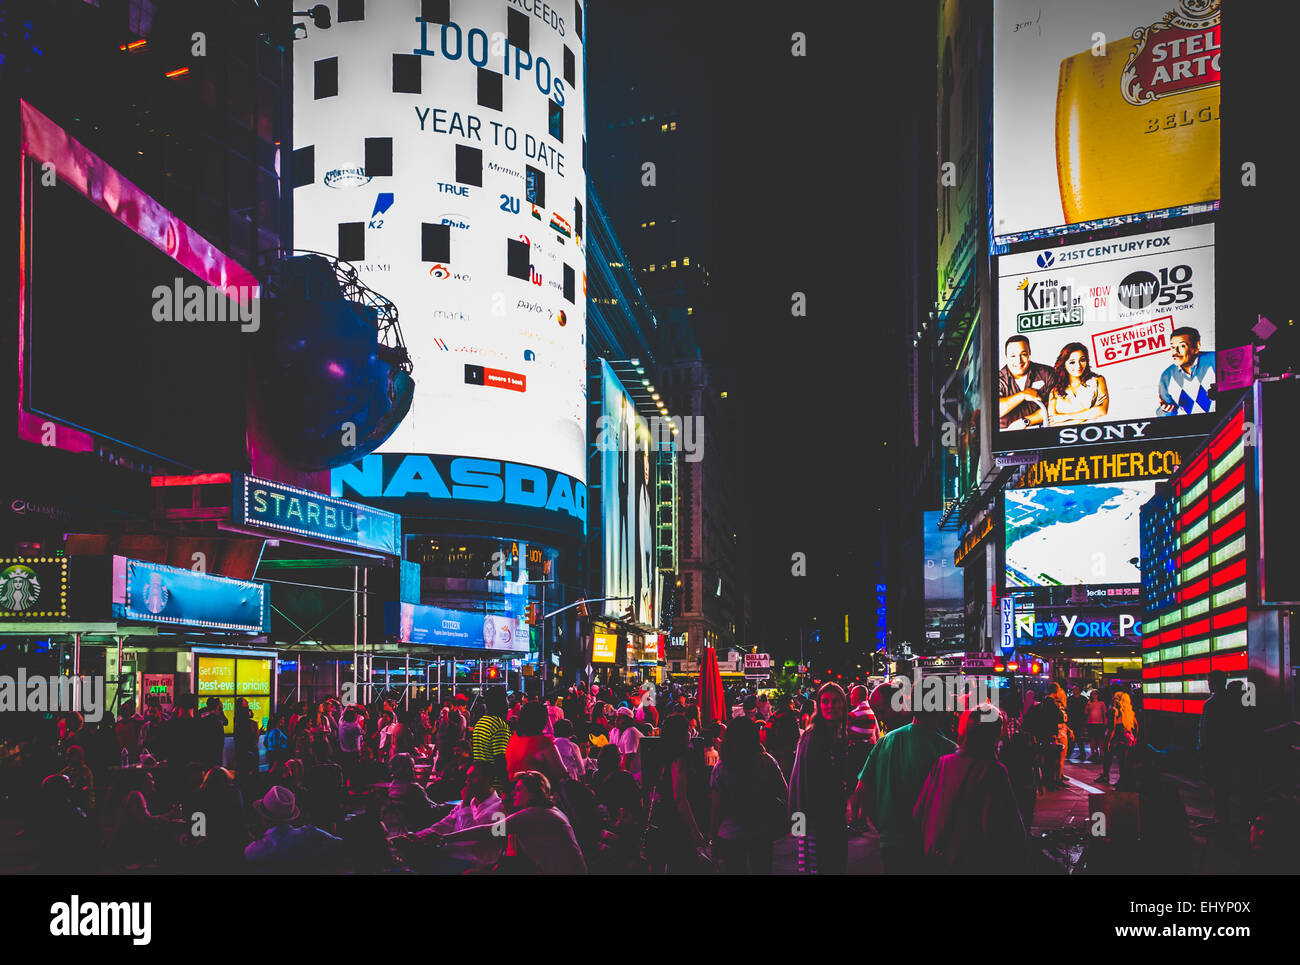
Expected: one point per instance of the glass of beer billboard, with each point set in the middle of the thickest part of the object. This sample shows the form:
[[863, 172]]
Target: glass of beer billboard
[[1137, 127]]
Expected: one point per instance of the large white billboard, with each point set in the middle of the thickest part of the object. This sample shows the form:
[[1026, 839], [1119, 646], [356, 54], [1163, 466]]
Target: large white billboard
[[1103, 109], [445, 161], [1107, 341]]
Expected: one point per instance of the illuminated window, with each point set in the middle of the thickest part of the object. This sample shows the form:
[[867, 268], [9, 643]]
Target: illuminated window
[[663, 127], [672, 126], [686, 261], [689, 310], [652, 224], [673, 263], [723, 395], [652, 268]]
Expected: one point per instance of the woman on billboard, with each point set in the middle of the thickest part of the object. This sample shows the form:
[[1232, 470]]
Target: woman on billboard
[[645, 547], [1078, 394]]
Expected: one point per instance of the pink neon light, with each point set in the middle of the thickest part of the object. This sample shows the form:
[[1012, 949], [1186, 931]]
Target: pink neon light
[[82, 169]]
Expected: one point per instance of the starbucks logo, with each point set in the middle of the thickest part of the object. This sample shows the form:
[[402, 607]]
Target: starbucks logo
[[156, 594], [19, 588]]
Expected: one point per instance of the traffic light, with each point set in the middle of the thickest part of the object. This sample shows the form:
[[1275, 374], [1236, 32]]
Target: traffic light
[[582, 608], [629, 615], [493, 673], [534, 614]]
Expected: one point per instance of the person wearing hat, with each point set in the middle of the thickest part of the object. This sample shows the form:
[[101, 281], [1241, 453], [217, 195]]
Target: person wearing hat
[[285, 848], [627, 738]]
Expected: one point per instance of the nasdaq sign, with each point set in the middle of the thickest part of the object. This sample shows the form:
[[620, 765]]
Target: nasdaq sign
[[420, 478]]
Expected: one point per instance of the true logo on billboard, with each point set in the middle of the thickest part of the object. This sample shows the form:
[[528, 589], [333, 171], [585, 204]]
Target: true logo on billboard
[[460, 190], [348, 177]]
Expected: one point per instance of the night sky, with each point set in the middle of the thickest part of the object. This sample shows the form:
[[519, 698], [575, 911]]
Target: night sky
[[808, 198]]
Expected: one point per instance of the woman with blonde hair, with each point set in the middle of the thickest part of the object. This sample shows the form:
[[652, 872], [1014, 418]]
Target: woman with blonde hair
[[1121, 738]]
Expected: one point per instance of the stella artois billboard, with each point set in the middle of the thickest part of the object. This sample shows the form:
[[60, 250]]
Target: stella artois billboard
[[1103, 111]]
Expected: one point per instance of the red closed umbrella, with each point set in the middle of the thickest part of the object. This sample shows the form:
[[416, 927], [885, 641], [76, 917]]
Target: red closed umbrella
[[712, 703]]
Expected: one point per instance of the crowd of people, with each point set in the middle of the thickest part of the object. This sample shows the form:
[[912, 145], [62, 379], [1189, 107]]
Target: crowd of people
[[621, 779]]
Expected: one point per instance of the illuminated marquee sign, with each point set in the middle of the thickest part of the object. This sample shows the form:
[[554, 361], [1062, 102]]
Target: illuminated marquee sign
[[974, 538], [882, 632], [1093, 627], [1103, 465], [153, 593], [259, 502], [1195, 570], [33, 587], [424, 481]]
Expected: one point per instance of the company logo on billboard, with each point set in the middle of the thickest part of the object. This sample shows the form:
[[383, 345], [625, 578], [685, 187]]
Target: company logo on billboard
[[460, 190], [442, 271], [558, 224], [383, 202], [156, 594], [1138, 290], [499, 169], [1183, 57], [348, 177], [456, 221], [562, 319], [534, 275], [1048, 305], [496, 378], [444, 313], [528, 306], [441, 344], [20, 588], [1046, 260]]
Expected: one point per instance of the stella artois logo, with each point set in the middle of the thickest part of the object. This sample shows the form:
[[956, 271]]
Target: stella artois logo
[[19, 588], [1178, 53]]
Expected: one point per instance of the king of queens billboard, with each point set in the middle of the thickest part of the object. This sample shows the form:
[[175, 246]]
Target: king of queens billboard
[[1102, 111], [1107, 341]]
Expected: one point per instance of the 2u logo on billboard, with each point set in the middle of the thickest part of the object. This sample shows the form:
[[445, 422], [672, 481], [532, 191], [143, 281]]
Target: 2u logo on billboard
[[509, 204]]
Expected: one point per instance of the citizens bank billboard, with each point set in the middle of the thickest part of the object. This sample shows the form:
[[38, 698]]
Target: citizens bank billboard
[[1103, 110], [1107, 341], [443, 158]]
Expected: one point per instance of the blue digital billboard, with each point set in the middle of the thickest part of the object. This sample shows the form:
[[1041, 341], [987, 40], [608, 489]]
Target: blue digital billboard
[[153, 593], [465, 629]]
